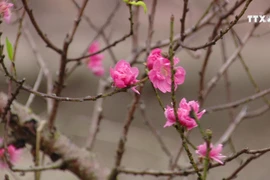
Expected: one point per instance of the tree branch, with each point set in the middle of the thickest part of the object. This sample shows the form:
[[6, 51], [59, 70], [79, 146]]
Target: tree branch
[[37, 28], [57, 146]]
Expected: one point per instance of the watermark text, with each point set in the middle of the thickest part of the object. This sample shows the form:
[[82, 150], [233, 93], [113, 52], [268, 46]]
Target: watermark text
[[258, 19]]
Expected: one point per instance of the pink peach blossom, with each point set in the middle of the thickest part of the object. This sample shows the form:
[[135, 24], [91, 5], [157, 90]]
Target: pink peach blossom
[[95, 61], [169, 114], [13, 153], [5, 10], [214, 154], [154, 55], [160, 74], [124, 75], [183, 113]]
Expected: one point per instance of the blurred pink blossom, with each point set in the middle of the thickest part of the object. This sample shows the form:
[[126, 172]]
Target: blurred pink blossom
[[160, 74], [5, 10], [13, 153], [183, 113], [214, 154], [124, 75], [95, 61]]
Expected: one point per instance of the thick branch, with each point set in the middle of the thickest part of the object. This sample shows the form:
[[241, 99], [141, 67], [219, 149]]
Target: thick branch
[[79, 161]]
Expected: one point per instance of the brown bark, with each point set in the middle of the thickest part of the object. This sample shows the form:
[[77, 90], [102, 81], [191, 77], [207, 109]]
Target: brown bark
[[57, 146]]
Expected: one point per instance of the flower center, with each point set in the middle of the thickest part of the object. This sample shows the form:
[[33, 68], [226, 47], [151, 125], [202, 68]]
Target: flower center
[[164, 71]]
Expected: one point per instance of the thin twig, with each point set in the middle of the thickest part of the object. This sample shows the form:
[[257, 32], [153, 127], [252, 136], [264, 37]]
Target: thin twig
[[55, 165], [183, 20], [190, 171], [19, 33], [40, 60], [155, 132], [42, 63], [101, 31], [38, 29], [208, 138], [214, 38], [63, 62], [37, 152], [136, 25], [112, 44], [178, 155], [123, 139], [226, 78], [226, 65], [222, 33], [71, 99], [13, 95], [238, 102], [96, 117], [262, 34], [252, 80], [150, 31], [257, 112], [205, 13], [227, 88], [245, 163], [35, 88], [6, 112], [229, 131], [179, 128], [188, 33], [158, 98]]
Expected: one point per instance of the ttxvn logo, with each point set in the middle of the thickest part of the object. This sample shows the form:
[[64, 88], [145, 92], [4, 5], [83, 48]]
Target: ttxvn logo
[[258, 19]]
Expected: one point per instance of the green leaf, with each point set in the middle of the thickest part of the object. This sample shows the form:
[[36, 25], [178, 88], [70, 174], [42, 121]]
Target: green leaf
[[9, 50], [139, 3]]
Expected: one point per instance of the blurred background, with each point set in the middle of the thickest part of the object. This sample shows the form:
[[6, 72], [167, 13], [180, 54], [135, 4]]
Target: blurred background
[[143, 151]]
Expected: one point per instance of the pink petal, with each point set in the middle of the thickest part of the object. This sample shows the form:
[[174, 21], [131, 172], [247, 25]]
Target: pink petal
[[176, 60], [124, 75], [9, 5], [160, 86], [218, 148], [119, 83], [183, 103], [135, 71], [199, 115], [135, 90], [180, 75], [217, 160], [168, 124]]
